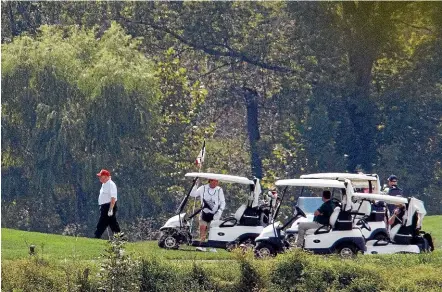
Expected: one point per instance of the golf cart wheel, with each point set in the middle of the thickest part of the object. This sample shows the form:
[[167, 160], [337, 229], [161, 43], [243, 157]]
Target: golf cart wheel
[[292, 239], [168, 241], [347, 251], [264, 250], [247, 244]]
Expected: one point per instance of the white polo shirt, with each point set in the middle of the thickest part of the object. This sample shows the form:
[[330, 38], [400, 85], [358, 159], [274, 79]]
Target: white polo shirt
[[213, 197], [108, 190]]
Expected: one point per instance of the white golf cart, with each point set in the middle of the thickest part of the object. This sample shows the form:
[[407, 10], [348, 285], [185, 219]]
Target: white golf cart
[[308, 205], [339, 236], [377, 212], [405, 237], [247, 223]]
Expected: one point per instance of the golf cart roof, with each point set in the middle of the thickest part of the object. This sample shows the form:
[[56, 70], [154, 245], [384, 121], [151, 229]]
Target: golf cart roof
[[340, 176], [379, 197], [319, 183], [221, 177]]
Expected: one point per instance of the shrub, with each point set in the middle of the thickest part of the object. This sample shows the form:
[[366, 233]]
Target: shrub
[[118, 271], [156, 276], [199, 280], [249, 279], [31, 275], [289, 271], [83, 282]]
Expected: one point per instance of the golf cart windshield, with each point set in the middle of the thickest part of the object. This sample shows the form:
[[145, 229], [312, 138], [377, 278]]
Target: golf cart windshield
[[345, 188], [309, 204]]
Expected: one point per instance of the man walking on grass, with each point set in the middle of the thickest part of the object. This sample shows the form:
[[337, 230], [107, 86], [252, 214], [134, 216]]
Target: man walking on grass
[[108, 204]]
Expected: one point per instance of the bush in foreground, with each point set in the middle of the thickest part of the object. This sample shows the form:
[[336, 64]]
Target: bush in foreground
[[293, 271]]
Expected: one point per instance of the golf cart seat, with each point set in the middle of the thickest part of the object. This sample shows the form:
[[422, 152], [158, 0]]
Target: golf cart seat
[[361, 209], [336, 221], [378, 212], [251, 216], [401, 234], [232, 220]]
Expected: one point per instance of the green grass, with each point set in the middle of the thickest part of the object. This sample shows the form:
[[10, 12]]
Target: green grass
[[433, 225], [15, 246], [62, 258]]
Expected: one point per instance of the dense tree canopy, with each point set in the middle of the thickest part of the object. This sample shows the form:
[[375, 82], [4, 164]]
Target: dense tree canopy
[[277, 89]]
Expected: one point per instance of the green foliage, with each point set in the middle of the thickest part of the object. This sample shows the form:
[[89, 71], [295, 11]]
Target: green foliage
[[155, 276], [289, 272], [31, 275], [136, 86], [162, 270], [118, 270], [250, 278], [199, 280]]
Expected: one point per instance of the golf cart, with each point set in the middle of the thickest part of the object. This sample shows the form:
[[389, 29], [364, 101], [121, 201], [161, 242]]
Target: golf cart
[[243, 227], [308, 205], [406, 237], [375, 214], [339, 236]]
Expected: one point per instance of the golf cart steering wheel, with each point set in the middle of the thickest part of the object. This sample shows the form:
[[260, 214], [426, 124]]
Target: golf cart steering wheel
[[336, 201], [364, 224], [300, 212]]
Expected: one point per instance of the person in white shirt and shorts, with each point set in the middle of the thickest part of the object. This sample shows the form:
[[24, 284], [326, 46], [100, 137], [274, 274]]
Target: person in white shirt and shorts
[[107, 200], [213, 204]]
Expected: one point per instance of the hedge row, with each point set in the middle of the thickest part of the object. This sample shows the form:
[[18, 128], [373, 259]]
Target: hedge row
[[294, 271]]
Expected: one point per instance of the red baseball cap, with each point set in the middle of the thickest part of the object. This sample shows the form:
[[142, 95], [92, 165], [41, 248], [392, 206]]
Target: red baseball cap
[[103, 172]]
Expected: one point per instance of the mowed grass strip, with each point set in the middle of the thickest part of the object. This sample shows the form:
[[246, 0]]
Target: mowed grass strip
[[433, 225], [15, 245]]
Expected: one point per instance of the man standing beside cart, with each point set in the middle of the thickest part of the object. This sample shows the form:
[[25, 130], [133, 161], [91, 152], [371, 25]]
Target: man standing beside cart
[[212, 203]]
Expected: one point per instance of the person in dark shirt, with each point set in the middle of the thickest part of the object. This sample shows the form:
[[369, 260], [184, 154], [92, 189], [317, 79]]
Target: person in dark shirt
[[322, 217], [393, 190]]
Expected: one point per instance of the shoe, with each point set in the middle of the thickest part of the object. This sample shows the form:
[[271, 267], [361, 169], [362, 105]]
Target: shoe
[[213, 250], [200, 248]]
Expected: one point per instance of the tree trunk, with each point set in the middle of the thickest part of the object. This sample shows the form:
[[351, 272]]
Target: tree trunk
[[12, 20], [362, 113], [251, 99], [362, 48]]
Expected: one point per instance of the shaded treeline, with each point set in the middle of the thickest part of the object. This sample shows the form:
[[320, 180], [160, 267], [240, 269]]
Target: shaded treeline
[[276, 89]]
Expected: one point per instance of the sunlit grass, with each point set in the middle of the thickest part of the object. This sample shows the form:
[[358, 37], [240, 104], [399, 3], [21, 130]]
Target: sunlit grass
[[15, 245]]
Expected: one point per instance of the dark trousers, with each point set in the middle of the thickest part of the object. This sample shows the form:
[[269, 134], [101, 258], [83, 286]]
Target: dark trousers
[[106, 221]]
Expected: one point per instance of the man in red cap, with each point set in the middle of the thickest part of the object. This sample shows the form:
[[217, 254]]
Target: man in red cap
[[108, 204]]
